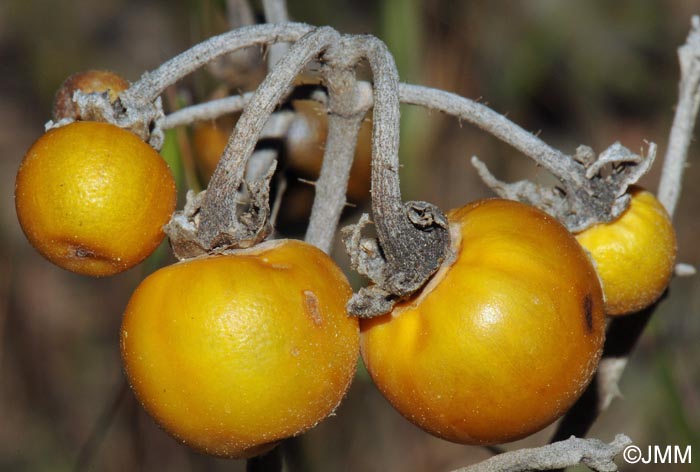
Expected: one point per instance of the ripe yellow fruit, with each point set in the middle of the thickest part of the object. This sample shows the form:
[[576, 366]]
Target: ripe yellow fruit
[[503, 340], [232, 353], [89, 81], [93, 198], [634, 255]]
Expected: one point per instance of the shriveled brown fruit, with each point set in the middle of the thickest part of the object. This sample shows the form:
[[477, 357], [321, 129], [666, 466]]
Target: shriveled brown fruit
[[89, 81]]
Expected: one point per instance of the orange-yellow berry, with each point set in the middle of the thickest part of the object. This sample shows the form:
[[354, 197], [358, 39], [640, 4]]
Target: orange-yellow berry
[[232, 353], [93, 198], [634, 254], [504, 338]]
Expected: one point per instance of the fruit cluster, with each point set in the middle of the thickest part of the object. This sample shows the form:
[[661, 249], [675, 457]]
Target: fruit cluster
[[232, 353]]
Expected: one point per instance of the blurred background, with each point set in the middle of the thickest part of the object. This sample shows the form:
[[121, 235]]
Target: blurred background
[[575, 72]]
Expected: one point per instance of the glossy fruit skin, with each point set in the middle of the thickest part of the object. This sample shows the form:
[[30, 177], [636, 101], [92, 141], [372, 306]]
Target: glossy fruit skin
[[89, 81], [634, 255], [503, 340], [233, 353], [92, 198]]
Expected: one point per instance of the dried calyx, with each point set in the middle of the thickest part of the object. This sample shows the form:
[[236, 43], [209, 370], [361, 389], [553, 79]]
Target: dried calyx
[[234, 212], [139, 108], [142, 119], [392, 278], [412, 238], [593, 188]]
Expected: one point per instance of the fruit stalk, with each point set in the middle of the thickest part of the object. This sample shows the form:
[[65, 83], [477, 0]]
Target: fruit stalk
[[219, 212], [558, 163], [413, 238], [593, 453], [345, 115], [684, 119], [152, 84]]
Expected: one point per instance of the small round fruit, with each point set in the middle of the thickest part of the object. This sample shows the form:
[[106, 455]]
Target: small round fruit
[[306, 141], [634, 255], [503, 340], [93, 198], [232, 353], [89, 81]]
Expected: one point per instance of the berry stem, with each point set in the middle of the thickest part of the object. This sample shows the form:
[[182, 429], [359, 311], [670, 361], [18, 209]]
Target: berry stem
[[206, 111], [412, 237], [559, 164], [683, 121], [345, 115], [594, 453], [586, 196], [152, 84], [219, 212]]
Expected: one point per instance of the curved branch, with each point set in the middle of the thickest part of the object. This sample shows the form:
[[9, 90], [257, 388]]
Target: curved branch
[[589, 196], [560, 164], [683, 121], [139, 108], [413, 237], [152, 84], [219, 208], [345, 115], [213, 109]]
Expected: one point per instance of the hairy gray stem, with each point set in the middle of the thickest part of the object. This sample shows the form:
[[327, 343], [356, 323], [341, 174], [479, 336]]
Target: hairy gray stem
[[218, 211], [589, 196], [684, 119], [413, 237], [593, 453], [206, 111], [152, 84], [344, 121], [139, 109], [559, 164], [236, 103]]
